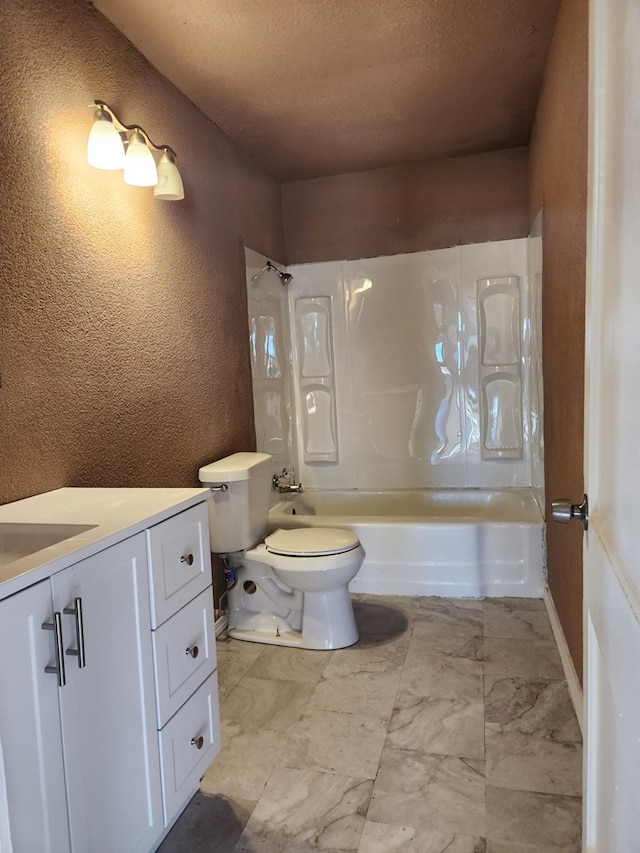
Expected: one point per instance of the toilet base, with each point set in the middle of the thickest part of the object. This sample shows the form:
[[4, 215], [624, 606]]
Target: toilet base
[[285, 638], [327, 623], [270, 637]]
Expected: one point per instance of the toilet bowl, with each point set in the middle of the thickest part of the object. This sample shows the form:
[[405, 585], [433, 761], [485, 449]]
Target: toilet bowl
[[291, 589], [300, 578]]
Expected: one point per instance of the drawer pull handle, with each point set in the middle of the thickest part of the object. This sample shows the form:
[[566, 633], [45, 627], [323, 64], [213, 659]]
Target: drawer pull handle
[[193, 651], [198, 742], [78, 652], [56, 627], [188, 559]]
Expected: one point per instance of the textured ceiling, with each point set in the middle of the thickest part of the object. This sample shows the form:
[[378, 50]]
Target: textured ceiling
[[320, 87]]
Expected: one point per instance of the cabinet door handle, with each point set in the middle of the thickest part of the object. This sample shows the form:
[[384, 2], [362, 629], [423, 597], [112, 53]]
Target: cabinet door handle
[[198, 742], [56, 627], [78, 652], [193, 651], [188, 559]]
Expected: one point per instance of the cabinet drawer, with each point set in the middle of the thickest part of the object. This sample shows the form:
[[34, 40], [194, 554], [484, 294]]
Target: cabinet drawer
[[184, 654], [183, 763], [180, 562]]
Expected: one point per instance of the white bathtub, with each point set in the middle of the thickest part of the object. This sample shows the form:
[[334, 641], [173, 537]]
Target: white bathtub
[[457, 542]]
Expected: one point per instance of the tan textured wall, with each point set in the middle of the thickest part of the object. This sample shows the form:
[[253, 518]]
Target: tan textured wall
[[408, 208], [123, 349], [559, 186]]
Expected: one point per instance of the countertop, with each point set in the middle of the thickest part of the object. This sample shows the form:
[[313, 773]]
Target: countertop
[[107, 515]]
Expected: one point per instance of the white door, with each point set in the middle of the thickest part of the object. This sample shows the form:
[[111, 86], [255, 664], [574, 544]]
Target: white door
[[612, 434], [107, 707]]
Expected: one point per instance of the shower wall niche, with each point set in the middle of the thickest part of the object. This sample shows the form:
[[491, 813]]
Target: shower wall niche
[[409, 371], [316, 380], [501, 415]]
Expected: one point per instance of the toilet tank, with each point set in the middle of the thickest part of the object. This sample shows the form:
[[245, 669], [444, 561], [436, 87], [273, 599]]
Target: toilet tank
[[238, 514]]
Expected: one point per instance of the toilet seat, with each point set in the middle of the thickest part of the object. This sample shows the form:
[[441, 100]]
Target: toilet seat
[[311, 542]]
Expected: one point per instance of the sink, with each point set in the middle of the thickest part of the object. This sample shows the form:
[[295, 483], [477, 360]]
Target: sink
[[18, 540]]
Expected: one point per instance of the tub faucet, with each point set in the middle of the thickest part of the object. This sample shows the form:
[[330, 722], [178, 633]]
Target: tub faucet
[[285, 483]]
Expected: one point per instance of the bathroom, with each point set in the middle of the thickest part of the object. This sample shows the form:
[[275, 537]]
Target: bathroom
[[125, 355]]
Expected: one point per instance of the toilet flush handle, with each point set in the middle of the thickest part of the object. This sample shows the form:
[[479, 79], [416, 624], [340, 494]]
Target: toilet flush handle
[[221, 488]]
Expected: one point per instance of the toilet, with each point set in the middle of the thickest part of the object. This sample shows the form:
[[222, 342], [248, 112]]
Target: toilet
[[291, 587]]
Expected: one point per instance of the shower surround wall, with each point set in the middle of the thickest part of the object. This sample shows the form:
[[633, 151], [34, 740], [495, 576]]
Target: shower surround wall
[[410, 371]]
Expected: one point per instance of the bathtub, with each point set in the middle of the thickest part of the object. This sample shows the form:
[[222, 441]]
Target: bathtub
[[457, 542]]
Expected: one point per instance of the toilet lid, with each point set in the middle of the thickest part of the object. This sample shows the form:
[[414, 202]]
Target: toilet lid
[[311, 541]]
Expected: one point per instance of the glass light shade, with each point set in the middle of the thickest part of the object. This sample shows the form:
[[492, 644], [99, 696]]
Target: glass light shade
[[104, 146], [139, 163], [169, 186]]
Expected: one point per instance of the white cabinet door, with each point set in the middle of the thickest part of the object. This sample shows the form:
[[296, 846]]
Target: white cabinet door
[[108, 705], [30, 725]]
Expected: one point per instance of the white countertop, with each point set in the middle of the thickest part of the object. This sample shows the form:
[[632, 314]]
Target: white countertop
[[110, 515]]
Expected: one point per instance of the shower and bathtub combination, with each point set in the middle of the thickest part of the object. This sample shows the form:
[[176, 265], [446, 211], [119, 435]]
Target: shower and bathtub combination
[[406, 391]]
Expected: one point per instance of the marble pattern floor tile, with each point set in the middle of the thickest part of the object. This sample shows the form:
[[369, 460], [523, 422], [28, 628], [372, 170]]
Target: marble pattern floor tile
[[545, 821], [533, 763], [244, 765], [532, 738], [370, 694], [261, 703], [382, 615], [235, 658], [517, 658], [373, 653], [209, 823], [301, 810], [443, 677], [531, 706], [461, 607], [393, 838], [514, 604], [501, 621], [427, 724], [429, 791], [446, 636], [332, 742], [381, 747], [289, 664], [440, 615]]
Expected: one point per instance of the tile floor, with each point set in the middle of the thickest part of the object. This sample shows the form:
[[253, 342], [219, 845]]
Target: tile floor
[[448, 727]]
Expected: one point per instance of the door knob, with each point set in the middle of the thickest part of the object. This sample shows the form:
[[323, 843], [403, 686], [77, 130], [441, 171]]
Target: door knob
[[563, 510]]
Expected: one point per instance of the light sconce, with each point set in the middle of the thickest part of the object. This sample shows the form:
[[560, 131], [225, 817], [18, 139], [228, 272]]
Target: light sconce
[[113, 145]]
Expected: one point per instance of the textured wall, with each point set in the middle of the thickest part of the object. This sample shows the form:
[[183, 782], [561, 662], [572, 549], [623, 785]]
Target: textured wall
[[407, 208], [559, 186], [123, 354]]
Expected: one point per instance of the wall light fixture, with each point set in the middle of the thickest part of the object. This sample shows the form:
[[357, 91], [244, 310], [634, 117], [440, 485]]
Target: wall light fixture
[[113, 145]]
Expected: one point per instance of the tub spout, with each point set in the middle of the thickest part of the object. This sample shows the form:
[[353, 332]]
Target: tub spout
[[285, 483]]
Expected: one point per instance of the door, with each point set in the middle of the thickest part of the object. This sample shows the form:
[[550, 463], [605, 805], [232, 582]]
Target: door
[[32, 793], [612, 429], [107, 707]]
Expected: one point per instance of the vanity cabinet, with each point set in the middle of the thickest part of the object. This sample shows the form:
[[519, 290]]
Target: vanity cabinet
[[95, 716], [108, 700]]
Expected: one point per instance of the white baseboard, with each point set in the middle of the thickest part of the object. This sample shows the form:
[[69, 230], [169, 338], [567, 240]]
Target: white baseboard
[[222, 623], [575, 691]]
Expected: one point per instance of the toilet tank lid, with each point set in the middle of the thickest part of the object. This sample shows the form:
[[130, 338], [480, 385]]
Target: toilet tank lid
[[238, 466], [311, 541]]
